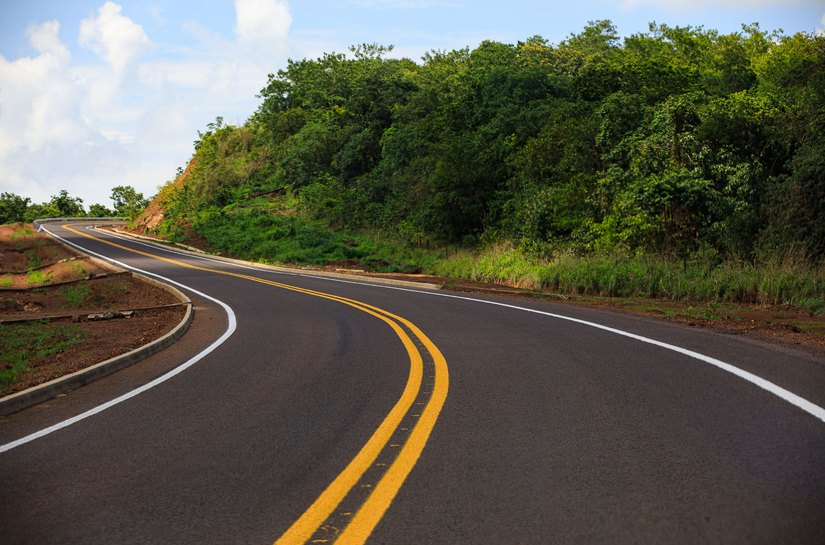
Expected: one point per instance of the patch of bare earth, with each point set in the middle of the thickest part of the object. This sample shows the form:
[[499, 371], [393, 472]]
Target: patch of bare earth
[[69, 289], [782, 324]]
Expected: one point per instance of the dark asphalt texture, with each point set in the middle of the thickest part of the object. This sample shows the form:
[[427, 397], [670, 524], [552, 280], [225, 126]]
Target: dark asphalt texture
[[552, 432]]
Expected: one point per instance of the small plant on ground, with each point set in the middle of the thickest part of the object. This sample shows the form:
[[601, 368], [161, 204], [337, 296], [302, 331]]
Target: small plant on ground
[[814, 306], [22, 232], [811, 328], [78, 268], [34, 261], [38, 277], [75, 295], [27, 343]]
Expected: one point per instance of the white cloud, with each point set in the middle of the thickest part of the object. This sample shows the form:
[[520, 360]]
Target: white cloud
[[262, 24], [46, 136], [406, 4], [124, 117], [116, 37], [45, 39], [697, 4], [34, 97]]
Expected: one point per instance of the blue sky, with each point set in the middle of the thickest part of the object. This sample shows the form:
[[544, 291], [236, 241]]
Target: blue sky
[[96, 93]]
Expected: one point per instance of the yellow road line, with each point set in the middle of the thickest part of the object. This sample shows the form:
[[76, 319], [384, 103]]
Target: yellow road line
[[373, 509], [377, 503]]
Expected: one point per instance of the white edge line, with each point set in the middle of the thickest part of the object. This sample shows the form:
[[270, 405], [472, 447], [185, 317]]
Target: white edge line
[[232, 325], [790, 397]]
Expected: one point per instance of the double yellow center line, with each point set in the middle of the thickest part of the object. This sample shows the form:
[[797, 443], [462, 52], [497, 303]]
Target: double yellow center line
[[384, 491]]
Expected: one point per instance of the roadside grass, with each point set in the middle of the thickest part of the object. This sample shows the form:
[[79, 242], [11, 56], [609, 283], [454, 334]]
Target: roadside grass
[[712, 310], [814, 306], [75, 295], [21, 232], [38, 277], [26, 343], [6, 281], [111, 291], [259, 234], [78, 268], [34, 261], [780, 282], [22, 243], [811, 328]]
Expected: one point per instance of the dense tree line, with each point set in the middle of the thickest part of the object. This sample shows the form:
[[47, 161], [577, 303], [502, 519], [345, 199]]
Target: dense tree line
[[128, 203], [672, 142]]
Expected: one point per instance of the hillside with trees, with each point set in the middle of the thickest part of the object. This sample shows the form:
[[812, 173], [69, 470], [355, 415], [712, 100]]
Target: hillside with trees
[[679, 150]]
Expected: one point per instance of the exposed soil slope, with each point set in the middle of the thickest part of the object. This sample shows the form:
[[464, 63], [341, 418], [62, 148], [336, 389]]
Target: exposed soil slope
[[43, 279]]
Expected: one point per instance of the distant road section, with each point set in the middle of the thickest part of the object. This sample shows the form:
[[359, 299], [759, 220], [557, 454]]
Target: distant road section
[[316, 410]]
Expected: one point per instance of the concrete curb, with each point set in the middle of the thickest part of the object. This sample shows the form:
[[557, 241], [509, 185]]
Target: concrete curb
[[36, 394], [305, 272]]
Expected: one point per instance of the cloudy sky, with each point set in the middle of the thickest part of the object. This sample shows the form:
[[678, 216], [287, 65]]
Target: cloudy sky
[[97, 93]]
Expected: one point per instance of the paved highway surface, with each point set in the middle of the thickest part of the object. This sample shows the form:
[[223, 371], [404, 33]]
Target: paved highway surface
[[305, 410]]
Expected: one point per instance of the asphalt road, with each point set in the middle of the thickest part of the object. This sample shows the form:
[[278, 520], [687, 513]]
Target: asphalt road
[[383, 415]]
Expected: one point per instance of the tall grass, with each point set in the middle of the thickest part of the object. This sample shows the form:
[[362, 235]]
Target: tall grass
[[259, 235], [781, 281]]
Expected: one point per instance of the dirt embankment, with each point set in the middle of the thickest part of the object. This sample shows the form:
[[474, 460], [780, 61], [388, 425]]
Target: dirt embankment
[[71, 312], [149, 220]]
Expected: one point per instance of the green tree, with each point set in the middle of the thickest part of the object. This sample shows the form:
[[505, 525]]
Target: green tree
[[42, 211], [671, 141], [13, 207], [100, 211], [128, 202], [67, 207]]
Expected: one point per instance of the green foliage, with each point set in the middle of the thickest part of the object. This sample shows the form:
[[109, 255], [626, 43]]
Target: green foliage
[[128, 202], [75, 295], [693, 153], [701, 279], [21, 232], [258, 234], [12, 208], [100, 211], [67, 207], [32, 260], [40, 211], [38, 277]]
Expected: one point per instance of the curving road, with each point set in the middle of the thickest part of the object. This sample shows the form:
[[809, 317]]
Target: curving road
[[304, 410]]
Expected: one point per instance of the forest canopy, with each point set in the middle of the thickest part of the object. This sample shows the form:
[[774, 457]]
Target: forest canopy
[[675, 142]]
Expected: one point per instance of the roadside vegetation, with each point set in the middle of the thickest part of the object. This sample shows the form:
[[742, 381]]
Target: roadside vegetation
[[128, 203], [61, 312], [678, 163], [27, 344], [787, 282]]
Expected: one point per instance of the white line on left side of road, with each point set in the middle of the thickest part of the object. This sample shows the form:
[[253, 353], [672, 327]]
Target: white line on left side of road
[[231, 326]]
